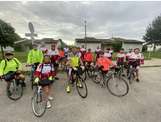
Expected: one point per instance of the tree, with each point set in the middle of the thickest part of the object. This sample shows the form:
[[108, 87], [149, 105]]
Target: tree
[[153, 32], [116, 46], [7, 35]]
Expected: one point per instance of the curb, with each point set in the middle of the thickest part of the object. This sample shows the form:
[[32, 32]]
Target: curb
[[151, 66]]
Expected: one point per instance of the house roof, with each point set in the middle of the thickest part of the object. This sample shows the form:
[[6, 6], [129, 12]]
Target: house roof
[[104, 41], [88, 39], [46, 40], [128, 40]]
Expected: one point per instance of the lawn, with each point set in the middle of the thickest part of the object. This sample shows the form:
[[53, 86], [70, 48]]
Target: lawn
[[22, 56]]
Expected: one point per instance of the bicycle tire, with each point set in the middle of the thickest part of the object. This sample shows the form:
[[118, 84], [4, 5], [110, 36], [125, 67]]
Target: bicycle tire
[[117, 80], [16, 86], [35, 100], [94, 77], [84, 87], [83, 75]]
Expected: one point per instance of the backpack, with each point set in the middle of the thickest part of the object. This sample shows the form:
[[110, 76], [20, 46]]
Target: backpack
[[14, 61]]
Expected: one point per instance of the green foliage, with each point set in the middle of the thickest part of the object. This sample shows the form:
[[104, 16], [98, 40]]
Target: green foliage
[[153, 31], [7, 34], [116, 46]]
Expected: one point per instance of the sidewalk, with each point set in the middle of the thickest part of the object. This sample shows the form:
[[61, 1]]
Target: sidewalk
[[152, 63]]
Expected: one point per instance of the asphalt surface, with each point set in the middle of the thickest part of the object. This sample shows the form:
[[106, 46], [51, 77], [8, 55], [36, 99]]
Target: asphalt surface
[[142, 104]]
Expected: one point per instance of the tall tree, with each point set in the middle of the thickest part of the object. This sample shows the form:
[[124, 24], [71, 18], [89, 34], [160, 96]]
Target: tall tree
[[153, 32], [7, 35]]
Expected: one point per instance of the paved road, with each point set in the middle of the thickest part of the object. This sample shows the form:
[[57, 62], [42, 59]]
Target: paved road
[[142, 104]]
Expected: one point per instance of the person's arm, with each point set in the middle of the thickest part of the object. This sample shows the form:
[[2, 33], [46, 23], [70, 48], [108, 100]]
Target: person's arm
[[2, 65], [19, 64], [38, 71]]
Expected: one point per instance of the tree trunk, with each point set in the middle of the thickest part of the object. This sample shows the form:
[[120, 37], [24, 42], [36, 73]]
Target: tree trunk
[[154, 48], [2, 52]]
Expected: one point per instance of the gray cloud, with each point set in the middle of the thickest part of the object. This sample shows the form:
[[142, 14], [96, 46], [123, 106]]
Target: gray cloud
[[66, 19]]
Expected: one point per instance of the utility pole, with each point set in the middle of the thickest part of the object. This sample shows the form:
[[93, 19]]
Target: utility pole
[[85, 22]]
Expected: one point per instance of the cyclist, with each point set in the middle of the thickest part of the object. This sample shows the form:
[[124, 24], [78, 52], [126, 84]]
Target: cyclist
[[103, 63], [44, 75], [10, 68], [54, 54], [73, 63], [128, 54], [134, 60], [120, 57], [97, 51], [83, 51], [107, 54], [88, 57], [66, 50], [35, 56]]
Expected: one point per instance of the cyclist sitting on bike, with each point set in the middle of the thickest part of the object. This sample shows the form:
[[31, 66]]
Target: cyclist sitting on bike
[[35, 57], [107, 54], [73, 63], [44, 75], [97, 51], [120, 57], [10, 68], [103, 63], [83, 51], [88, 57], [134, 61], [54, 54]]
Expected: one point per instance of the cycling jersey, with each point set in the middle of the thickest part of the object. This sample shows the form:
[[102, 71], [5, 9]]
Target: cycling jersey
[[88, 57], [135, 56], [105, 62], [61, 53], [54, 54], [44, 71], [35, 56], [134, 59], [121, 57], [9, 65], [108, 55], [74, 61]]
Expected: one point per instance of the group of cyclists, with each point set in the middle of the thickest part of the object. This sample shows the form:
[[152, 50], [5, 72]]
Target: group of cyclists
[[45, 64]]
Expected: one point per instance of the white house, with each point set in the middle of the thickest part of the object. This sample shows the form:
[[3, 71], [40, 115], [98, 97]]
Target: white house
[[93, 43]]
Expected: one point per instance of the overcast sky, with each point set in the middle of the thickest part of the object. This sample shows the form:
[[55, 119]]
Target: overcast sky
[[65, 20]]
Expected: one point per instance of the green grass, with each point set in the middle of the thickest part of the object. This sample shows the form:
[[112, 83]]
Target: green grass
[[152, 55], [22, 56]]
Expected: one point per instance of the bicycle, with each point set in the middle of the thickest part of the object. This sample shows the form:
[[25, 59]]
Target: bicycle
[[33, 68], [15, 89], [88, 71], [79, 82], [131, 72], [38, 101], [112, 80]]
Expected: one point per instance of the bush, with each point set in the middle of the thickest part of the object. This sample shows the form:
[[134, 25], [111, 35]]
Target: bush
[[116, 46]]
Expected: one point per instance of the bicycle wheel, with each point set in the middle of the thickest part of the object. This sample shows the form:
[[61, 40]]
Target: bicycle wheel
[[90, 72], [117, 86], [81, 88], [38, 103], [15, 90], [131, 76], [83, 75], [97, 77]]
